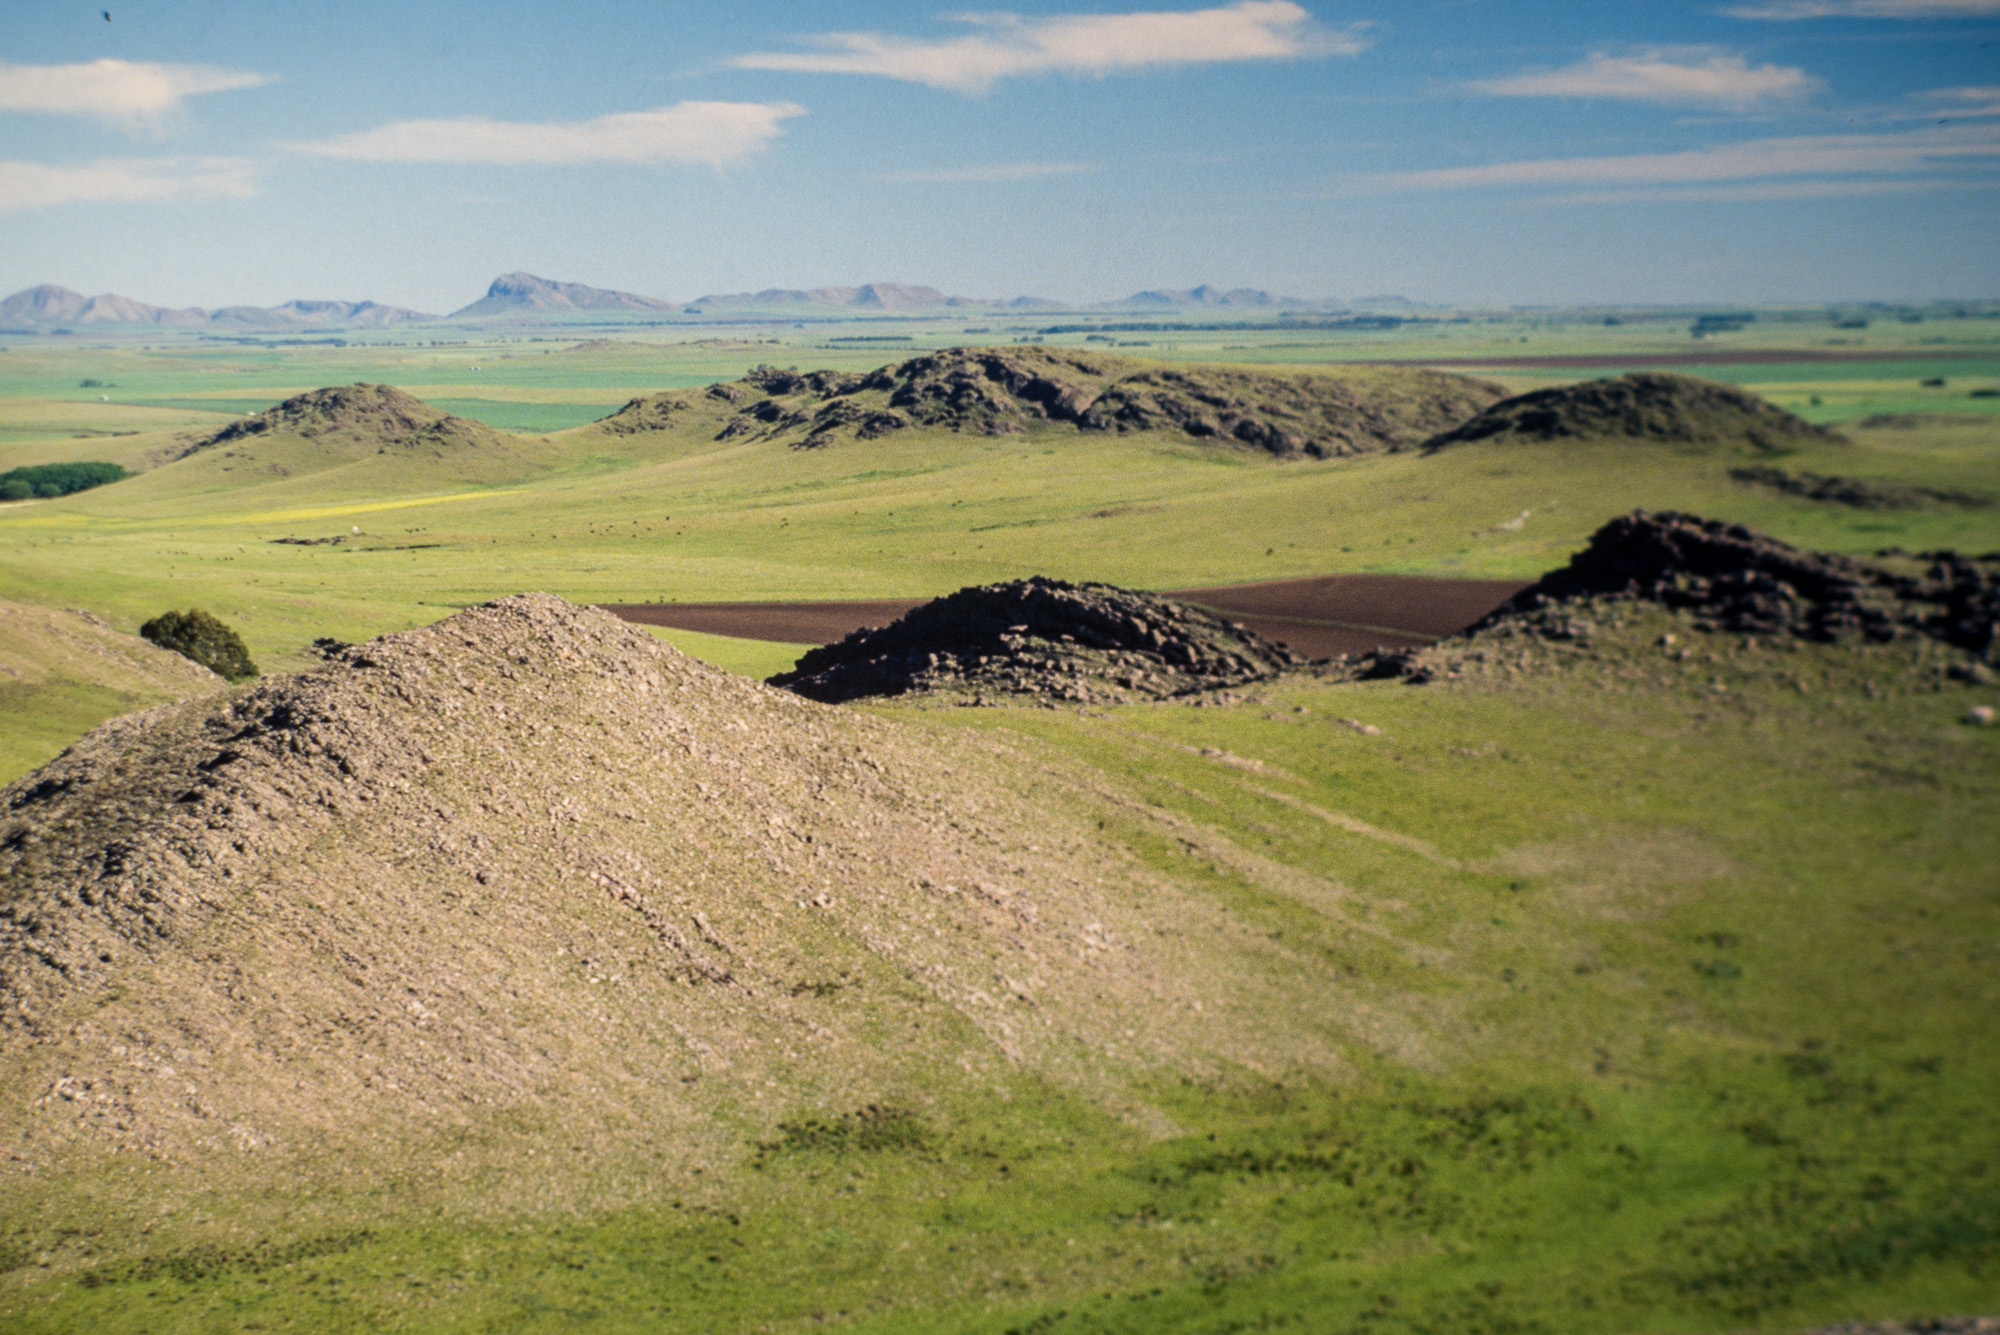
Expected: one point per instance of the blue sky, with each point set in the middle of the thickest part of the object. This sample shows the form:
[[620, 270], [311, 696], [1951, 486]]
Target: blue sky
[[210, 153]]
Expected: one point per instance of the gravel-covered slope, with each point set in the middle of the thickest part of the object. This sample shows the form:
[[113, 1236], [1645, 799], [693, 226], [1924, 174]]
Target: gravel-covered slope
[[530, 863]]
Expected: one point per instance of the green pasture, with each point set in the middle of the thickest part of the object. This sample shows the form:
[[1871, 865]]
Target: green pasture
[[598, 518], [1668, 990]]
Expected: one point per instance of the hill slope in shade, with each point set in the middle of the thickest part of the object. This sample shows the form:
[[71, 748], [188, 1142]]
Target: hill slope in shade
[[530, 864], [1645, 405], [522, 293], [996, 392]]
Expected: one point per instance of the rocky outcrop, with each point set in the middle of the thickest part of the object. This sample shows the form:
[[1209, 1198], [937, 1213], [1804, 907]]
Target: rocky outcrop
[[1044, 638]]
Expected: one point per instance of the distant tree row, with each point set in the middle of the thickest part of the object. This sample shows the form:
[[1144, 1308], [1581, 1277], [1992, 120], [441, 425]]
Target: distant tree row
[[46, 480]]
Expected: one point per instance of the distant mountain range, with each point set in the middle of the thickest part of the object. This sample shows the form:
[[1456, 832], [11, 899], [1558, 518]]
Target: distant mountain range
[[52, 305], [525, 297]]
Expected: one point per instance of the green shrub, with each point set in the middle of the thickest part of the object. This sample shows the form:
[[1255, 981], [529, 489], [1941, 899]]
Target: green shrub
[[51, 480], [206, 639]]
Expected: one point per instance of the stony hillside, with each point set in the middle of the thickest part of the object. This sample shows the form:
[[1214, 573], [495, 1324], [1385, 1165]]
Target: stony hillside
[[531, 868], [1645, 405], [1041, 637], [1004, 391], [1731, 578]]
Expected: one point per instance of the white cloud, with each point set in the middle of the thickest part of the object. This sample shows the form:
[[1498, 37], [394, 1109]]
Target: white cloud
[[1759, 191], [1008, 45], [716, 133], [1666, 78], [1897, 153], [1865, 9], [1967, 101], [134, 94], [42, 185], [992, 171]]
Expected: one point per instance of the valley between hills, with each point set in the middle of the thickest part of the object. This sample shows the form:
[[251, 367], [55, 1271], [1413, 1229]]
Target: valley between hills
[[1065, 957]]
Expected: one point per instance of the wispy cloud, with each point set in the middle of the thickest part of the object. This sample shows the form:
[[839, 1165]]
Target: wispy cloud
[[132, 94], [1865, 9], [1830, 156], [992, 171], [1674, 78], [1966, 102], [714, 133], [1008, 45], [41, 185], [1752, 192]]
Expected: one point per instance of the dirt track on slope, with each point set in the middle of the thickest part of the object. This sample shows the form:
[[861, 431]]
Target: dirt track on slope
[[1318, 617]]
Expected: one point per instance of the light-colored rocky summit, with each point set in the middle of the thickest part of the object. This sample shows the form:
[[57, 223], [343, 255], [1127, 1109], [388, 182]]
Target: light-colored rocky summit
[[529, 867]]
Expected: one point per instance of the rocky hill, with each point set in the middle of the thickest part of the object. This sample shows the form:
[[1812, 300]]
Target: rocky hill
[[1731, 578], [1645, 405], [521, 293], [529, 871], [1004, 391], [377, 414], [1041, 637]]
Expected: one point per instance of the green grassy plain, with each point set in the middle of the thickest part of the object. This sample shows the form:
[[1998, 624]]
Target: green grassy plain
[[1670, 980]]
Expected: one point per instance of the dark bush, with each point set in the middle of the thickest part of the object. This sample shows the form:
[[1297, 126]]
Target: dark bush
[[207, 640], [51, 480]]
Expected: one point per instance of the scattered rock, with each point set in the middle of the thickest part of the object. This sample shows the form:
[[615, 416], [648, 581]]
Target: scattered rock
[[1980, 716], [1933, 1325], [1041, 637], [1855, 492], [1646, 405]]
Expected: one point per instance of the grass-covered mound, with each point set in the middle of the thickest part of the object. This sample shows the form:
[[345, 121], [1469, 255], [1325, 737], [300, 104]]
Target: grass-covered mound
[[1654, 406], [1041, 637], [381, 414], [1005, 391], [46, 481]]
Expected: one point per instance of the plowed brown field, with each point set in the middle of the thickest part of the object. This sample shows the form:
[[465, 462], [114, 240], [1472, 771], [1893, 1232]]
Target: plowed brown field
[[1318, 617]]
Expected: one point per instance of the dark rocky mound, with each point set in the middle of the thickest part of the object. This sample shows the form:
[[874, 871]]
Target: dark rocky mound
[[1733, 578], [1319, 417], [1005, 391], [381, 413], [1041, 637], [1856, 492], [1646, 405]]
